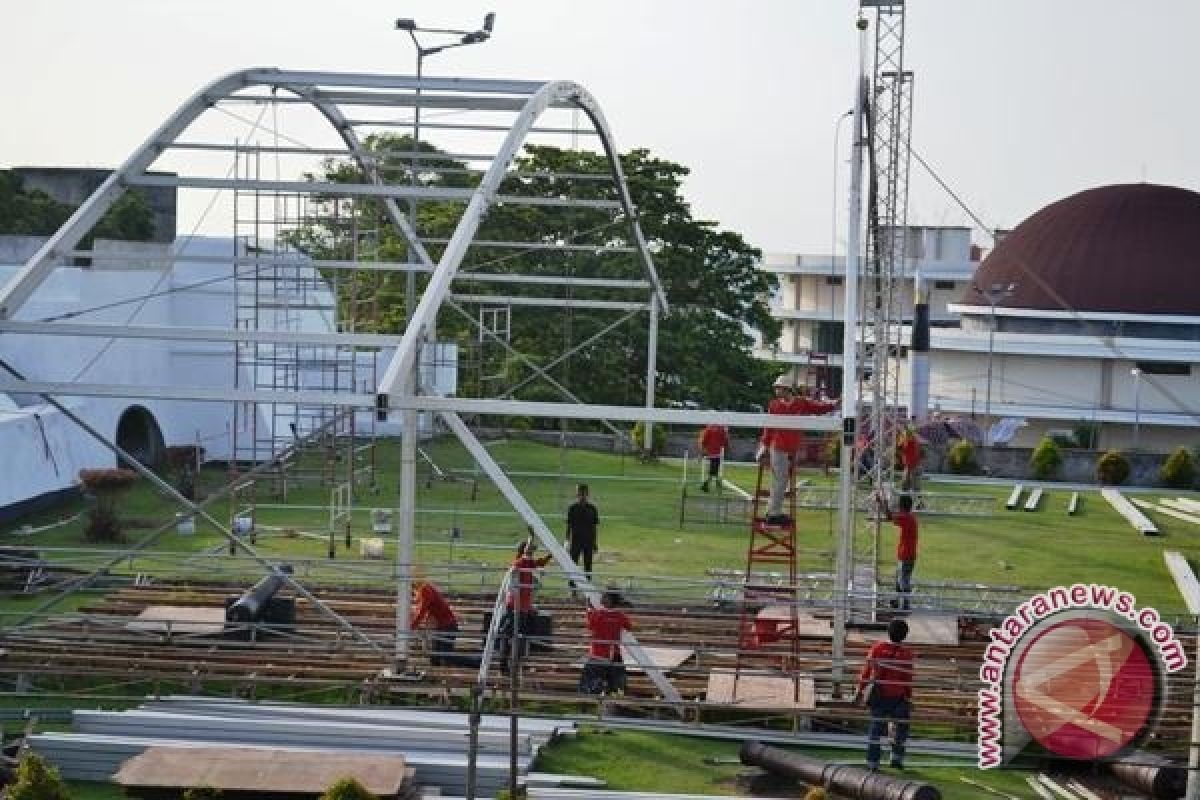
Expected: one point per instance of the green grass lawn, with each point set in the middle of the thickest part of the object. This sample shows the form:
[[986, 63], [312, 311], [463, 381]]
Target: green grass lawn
[[472, 524], [632, 760]]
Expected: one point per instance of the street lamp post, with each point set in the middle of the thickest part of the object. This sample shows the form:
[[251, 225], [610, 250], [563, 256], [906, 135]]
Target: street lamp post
[[466, 38], [993, 294], [1137, 406]]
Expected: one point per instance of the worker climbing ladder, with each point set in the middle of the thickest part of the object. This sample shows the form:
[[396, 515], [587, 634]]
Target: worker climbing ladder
[[769, 611]]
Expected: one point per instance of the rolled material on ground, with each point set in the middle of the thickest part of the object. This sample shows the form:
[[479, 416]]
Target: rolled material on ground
[[252, 606], [1150, 774], [856, 782]]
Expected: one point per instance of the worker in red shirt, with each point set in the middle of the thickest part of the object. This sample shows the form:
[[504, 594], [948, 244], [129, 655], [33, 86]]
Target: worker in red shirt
[[714, 440], [519, 611], [430, 606], [604, 670], [909, 445], [906, 547], [780, 447], [886, 684]]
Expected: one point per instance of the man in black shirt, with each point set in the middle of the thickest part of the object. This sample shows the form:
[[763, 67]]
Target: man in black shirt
[[582, 520]]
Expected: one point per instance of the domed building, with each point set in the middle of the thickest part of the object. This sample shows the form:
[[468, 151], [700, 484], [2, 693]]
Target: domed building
[[1087, 314]]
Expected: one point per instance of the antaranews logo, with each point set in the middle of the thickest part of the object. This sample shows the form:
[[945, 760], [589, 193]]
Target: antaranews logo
[[1078, 672]]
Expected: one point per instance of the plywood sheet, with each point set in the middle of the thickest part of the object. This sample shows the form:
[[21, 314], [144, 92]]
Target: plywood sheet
[[665, 658], [767, 692], [935, 629], [255, 769], [179, 619], [809, 625]]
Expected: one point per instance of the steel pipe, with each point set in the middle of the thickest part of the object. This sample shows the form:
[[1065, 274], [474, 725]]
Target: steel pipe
[[1150, 774], [855, 782]]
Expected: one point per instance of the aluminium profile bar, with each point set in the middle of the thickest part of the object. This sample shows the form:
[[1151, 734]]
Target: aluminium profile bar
[[595, 249], [675, 416], [412, 99], [359, 190], [368, 155], [203, 394], [472, 126], [175, 333], [553, 280], [548, 302], [300, 81]]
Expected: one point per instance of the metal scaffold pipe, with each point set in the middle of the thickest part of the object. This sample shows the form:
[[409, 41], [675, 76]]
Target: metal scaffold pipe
[[853, 782]]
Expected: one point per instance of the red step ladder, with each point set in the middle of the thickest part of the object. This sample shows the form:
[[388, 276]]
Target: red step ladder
[[772, 548]]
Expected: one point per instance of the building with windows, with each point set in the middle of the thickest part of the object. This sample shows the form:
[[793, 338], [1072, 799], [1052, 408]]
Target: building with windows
[[810, 297]]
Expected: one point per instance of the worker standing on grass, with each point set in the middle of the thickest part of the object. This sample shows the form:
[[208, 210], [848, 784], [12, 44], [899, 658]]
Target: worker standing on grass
[[604, 670], [906, 547], [582, 521], [779, 447], [885, 683], [519, 611], [431, 607], [714, 440]]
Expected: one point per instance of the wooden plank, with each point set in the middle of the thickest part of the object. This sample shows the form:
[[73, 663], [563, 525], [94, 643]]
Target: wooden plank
[[807, 624], [1073, 505], [179, 619], [1170, 512], [261, 769], [664, 658], [1035, 497], [927, 629], [766, 692], [1014, 499], [1140, 522], [1185, 579]]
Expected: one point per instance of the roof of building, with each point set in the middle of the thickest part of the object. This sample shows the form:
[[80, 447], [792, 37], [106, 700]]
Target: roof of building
[[1128, 248]]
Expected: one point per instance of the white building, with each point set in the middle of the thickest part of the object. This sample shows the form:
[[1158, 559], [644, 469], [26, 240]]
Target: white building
[[810, 298], [187, 284], [1096, 319]]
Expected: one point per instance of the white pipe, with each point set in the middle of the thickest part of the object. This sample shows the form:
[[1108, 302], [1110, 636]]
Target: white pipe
[[850, 409]]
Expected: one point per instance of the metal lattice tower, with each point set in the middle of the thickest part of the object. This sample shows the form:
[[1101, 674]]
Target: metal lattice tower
[[889, 124]]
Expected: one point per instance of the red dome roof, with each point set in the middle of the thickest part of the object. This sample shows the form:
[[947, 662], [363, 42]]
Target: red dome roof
[[1132, 248]]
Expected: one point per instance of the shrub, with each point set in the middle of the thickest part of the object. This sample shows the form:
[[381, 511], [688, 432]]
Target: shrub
[[1086, 434], [347, 789], [1179, 470], [961, 458], [833, 450], [107, 485], [37, 780], [1046, 459], [182, 461], [1112, 468], [815, 793], [658, 434]]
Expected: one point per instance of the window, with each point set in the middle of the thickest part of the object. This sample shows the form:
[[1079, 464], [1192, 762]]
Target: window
[[834, 280], [944, 284], [1164, 368], [829, 337]]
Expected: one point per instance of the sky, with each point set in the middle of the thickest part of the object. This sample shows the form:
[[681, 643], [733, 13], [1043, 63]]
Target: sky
[[1017, 103]]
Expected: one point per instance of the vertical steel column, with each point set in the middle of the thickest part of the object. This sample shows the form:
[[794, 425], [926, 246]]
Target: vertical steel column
[[1193, 779], [850, 401], [406, 518], [651, 370]]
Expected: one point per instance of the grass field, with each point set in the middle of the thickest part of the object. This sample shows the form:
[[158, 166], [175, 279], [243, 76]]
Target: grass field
[[471, 524]]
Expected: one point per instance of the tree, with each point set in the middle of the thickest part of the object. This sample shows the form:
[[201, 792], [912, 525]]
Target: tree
[[35, 213], [1179, 471], [107, 486], [716, 291], [347, 789], [1045, 459], [1112, 468]]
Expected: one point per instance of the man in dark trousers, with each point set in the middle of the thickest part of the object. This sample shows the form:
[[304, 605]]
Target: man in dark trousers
[[582, 521], [714, 440], [431, 608], [906, 547], [604, 671], [885, 683], [519, 611]]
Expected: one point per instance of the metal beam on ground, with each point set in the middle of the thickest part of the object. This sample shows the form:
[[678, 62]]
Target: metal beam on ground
[[552, 546]]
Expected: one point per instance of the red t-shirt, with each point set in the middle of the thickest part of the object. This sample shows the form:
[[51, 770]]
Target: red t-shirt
[[432, 605], [890, 665], [789, 440], [713, 439], [524, 582], [910, 452], [906, 545], [605, 625]]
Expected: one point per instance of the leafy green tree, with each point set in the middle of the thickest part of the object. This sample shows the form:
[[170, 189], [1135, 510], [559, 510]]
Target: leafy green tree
[[1179, 471], [35, 213], [1112, 468], [347, 789], [961, 458], [716, 292], [1045, 459]]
